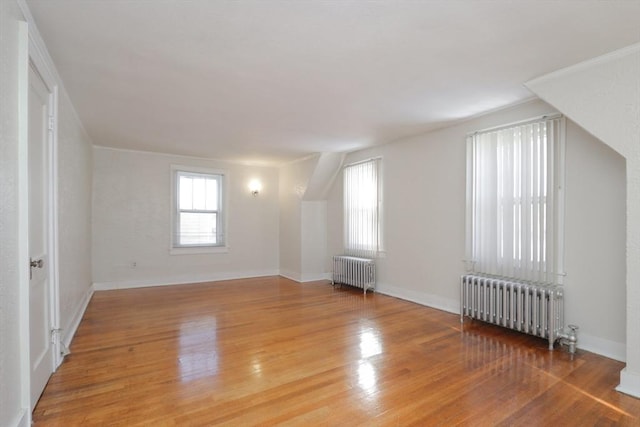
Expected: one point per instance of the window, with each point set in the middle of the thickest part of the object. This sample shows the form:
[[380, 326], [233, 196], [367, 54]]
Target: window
[[362, 208], [514, 200], [198, 208]]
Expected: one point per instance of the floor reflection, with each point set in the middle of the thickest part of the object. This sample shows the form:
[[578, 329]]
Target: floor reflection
[[370, 344], [256, 367], [197, 350], [367, 379]]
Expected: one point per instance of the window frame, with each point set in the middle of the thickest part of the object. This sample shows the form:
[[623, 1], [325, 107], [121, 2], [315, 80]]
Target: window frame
[[378, 251], [222, 178], [537, 213]]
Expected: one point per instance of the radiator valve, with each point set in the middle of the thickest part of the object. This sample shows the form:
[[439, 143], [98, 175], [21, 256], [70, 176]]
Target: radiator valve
[[570, 339]]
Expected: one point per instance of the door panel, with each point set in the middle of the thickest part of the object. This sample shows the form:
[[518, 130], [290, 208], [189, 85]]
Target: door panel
[[39, 287]]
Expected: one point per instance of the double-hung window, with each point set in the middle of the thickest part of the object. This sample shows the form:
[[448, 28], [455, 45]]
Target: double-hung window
[[362, 209], [515, 200], [198, 208]]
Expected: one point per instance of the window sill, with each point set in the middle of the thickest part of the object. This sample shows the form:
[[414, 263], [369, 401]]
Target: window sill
[[199, 250]]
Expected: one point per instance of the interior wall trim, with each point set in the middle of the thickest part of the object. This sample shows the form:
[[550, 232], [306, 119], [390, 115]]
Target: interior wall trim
[[183, 280], [22, 420], [422, 298], [70, 331], [629, 383]]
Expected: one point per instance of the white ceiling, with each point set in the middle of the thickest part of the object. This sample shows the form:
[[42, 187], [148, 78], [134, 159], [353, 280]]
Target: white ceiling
[[270, 81]]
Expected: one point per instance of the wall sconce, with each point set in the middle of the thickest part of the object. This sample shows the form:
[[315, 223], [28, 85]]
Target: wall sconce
[[255, 186]]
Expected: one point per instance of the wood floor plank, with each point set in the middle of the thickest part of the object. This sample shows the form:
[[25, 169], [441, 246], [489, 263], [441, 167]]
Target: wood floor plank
[[269, 351]]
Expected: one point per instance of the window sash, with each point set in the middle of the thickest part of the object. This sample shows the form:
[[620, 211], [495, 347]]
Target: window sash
[[515, 201], [191, 224], [191, 228]]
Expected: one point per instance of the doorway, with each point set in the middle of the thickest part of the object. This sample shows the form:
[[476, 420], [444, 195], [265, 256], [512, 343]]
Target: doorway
[[43, 341]]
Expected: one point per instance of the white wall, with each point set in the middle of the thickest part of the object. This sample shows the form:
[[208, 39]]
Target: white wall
[[75, 175], [294, 178], [424, 202], [326, 169], [132, 222], [595, 236], [603, 95], [10, 379], [313, 247]]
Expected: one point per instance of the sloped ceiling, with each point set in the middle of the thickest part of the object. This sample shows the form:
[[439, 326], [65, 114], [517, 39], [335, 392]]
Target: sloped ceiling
[[266, 82]]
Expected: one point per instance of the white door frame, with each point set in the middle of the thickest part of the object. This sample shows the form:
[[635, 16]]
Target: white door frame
[[31, 55], [36, 62]]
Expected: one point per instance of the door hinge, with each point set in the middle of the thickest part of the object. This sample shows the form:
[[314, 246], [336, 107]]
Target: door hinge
[[55, 334], [51, 122]]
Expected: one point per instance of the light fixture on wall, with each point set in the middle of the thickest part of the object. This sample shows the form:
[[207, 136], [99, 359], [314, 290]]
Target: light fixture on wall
[[255, 186]]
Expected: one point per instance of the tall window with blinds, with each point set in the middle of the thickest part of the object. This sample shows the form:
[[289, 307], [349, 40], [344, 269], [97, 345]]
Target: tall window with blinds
[[362, 209], [198, 209], [515, 202]]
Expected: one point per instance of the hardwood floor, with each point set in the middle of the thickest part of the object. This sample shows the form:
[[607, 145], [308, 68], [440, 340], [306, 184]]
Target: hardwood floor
[[271, 351]]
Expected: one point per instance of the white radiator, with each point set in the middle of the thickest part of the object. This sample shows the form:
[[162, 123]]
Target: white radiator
[[530, 308], [353, 271]]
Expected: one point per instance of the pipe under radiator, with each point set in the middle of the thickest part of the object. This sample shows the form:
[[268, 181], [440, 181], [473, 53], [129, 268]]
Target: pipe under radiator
[[534, 309]]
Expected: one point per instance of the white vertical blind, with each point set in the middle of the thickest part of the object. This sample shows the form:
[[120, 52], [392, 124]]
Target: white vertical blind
[[362, 209], [514, 201]]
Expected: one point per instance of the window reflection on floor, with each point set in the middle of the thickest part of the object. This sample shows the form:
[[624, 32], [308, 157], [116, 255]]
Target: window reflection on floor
[[198, 355], [367, 378], [370, 344]]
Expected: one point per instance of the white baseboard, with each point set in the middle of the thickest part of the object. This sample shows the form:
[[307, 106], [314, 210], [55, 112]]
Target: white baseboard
[[181, 280], [22, 419], [611, 349], [291, 275], [629, 383], [315, 277], [303, 278], [70, 331], [422, 298]]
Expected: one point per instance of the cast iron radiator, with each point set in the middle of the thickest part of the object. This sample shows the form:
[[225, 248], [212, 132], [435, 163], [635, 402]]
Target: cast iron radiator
[[354, 271], [534, 309]]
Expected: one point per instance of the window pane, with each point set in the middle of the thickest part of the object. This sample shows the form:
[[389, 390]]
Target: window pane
[[198, 228], [199, 193], [211, 202], [186, 193]]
